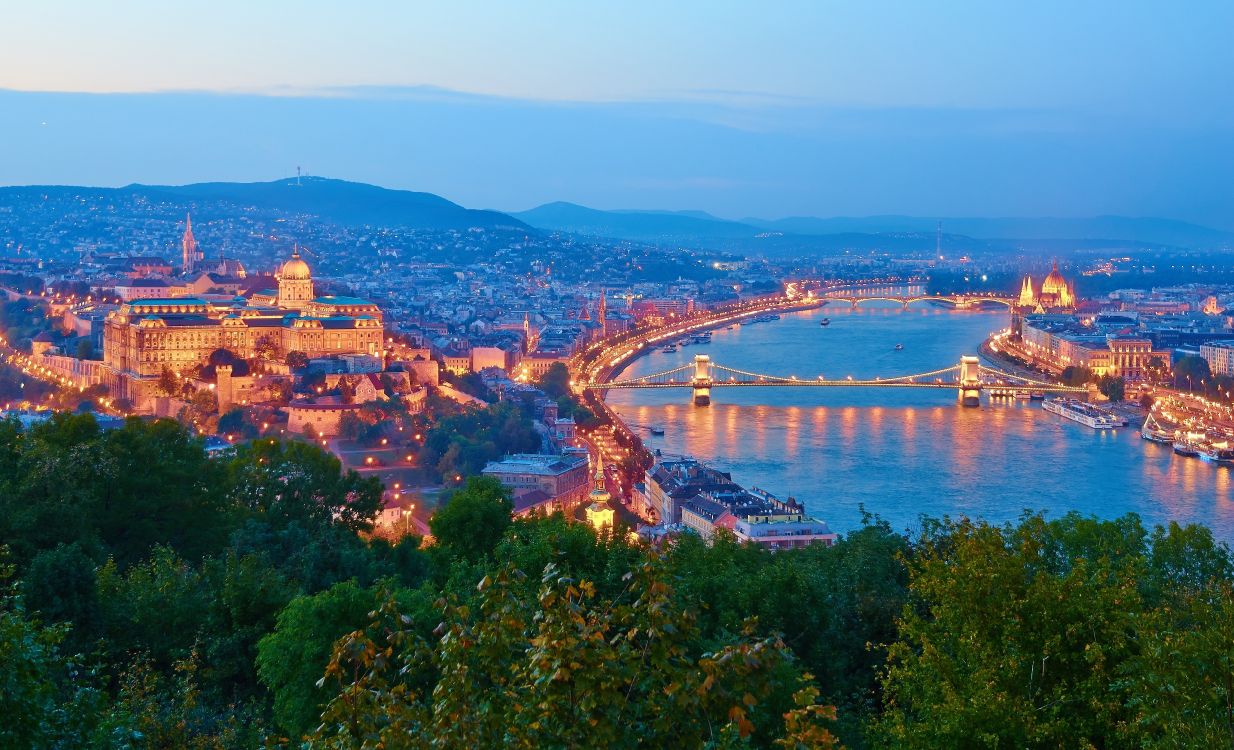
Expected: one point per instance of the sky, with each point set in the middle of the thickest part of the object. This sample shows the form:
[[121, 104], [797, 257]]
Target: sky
[[769, 109]]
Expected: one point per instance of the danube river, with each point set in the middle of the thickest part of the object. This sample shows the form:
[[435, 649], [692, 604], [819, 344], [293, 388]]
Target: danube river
[[902, 453]]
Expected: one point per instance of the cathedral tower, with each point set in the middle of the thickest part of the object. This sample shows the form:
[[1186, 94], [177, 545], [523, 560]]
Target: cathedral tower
[[189, 252]]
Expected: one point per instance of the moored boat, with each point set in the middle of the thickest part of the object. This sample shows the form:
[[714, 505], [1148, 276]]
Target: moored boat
[[1078, 411], [1184, 448]]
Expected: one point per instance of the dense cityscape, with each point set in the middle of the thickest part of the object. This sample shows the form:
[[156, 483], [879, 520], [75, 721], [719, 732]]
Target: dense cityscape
[[616, 376]]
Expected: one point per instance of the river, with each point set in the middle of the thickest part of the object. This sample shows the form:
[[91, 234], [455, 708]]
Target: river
[[902, 453]]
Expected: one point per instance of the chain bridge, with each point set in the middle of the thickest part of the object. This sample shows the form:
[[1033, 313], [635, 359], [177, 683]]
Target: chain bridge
[[969, 378], [959, 301]]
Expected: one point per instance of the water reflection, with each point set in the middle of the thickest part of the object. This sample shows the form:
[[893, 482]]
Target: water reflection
[[905, 451]]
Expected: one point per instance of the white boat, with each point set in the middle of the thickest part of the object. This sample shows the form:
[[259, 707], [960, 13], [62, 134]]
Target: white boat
[[669, 349], [1218, 454], [1078, 411], [1183, 448]]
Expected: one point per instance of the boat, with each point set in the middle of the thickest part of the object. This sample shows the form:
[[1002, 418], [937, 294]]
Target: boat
[[669, 349], [1023, 395], [656, 430], [899, 347], [825, 322], [1184, 448], [1037, 395], [1218, 453], [1152, 431], [1078, 411]]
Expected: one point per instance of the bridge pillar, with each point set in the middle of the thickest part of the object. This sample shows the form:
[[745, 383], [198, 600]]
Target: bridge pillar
[[701, 382], [970, 381]]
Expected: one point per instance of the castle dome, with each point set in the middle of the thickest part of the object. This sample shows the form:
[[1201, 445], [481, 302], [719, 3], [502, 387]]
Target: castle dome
[[295, 269]]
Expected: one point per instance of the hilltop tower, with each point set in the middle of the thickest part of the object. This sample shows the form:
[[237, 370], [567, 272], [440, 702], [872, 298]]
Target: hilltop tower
[[190, 253]]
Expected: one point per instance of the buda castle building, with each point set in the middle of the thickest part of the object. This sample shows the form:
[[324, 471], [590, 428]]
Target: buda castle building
[[144, 337]]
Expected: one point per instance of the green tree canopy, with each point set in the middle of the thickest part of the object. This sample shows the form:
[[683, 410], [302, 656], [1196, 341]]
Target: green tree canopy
[[473, 519]]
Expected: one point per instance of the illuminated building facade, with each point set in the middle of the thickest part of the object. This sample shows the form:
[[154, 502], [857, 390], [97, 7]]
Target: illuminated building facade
[[145, 336]]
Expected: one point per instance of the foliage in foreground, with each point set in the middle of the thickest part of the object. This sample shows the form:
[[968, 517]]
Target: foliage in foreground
[[156, 598]]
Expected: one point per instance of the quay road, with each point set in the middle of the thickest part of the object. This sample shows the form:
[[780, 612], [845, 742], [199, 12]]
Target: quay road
[[602, 360], [28, 366], [605, 358]]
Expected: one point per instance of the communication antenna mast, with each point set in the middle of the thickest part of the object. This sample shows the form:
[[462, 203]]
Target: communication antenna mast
[[297, 175], [938, 240]]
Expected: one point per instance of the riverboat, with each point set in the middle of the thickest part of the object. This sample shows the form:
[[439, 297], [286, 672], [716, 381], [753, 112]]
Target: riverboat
[[1078, 411], [1152, 431], [825, 322], [657, 431], [669, 349], [1218, 453], [1184, 448]]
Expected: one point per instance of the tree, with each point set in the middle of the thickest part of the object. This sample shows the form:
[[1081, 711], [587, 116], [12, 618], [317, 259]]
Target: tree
[[284, 482], [1112, 388], [265, 347], [555, 382], [1156, 367], [85, 349], [168, 384], [562, 666], [32, 666], [291, 659], [347, 390], [297, 360], [1190, 371], [1016, 636], [60, 584], [350, 426], [472, 520], [1076, 376], [233, 422]]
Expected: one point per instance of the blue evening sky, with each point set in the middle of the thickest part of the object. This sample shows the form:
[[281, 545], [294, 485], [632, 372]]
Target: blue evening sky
[[772, 109]]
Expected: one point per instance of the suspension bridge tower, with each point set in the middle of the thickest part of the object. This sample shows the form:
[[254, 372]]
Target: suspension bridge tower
[[970, 381], [701, 382]]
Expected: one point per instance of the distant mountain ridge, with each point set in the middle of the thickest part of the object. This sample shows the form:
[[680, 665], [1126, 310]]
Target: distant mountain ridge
[[339, 201], [634, 225], [698, 225]]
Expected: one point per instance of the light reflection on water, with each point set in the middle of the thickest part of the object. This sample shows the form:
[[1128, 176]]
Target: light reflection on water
[[904, 452]]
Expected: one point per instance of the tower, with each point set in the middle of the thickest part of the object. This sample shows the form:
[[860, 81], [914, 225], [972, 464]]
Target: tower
[[599, 514], [1027, 297], [189, 252], [295, 283], [602, 314], [938, 240]]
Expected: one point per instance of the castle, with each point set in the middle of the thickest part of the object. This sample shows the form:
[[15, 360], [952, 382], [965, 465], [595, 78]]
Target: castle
[[144, 337]]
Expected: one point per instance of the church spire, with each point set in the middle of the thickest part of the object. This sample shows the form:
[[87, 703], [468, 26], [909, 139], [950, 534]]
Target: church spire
[[189, 252]]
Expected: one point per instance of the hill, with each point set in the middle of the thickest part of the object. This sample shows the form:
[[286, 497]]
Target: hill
[[336, 201], [1147, 230], [635, 225], [804, 233], [343, 202]]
